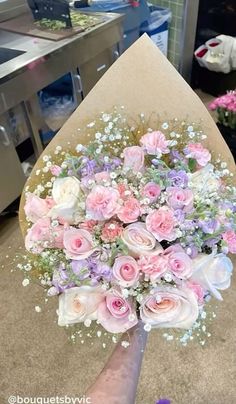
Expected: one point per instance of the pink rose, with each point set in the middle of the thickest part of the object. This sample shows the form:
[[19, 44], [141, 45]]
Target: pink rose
[[42, 235], [102, 177], [78, 244], [199, 153], [152, 191], [102, 203], [35, 207], [161, 223], [138, 240], [154, 265], [115, 313], [170, 307], [198, 290], [230, 238], [179, 198], [111, 231], [134, 158], [129, 211], [179, 262], [125, 271], [155, 143]]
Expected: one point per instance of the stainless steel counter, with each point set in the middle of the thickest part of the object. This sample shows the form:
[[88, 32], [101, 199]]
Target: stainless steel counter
[[86, 55], [37, 48]]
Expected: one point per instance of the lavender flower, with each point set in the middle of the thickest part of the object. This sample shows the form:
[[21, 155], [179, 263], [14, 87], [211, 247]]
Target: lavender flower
[[81, 269], [60, 279], [178, 178], [209, 226]]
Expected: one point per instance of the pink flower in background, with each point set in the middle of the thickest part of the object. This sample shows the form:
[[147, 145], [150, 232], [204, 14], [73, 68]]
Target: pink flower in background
[[230, 238], [152, 191], [115, 313], [125, 271], [134, 158], [101, 177], [78, 244], [161, 223], [154, 265], [42, 235], [198, 152], [55, 170], [155, 143], [198, 290], [88, 225], [36, 208], [129, 211], [179, 198], [102, 203], [111, 231]]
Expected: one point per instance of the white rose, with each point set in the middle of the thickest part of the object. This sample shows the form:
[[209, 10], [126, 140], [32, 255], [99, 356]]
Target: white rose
[[66, 193], [204, 181], [139, 240], [212, 272], [170, 307], [79, 304]]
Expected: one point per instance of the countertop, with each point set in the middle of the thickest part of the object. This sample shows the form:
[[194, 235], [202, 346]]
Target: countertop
[[37, 48]]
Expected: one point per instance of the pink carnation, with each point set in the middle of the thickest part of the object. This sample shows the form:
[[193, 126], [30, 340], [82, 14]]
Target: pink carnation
[[155, 143], [230, 238], [161, 223], [130, 211], [111, 231], [88, 225], [199, 153], [154, 265], [134, 158], [102, 203]]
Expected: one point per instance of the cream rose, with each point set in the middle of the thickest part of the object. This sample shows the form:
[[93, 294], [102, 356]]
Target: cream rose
[[139, 241], [212, 272], [79, 304], [66, 193], [170, 307]]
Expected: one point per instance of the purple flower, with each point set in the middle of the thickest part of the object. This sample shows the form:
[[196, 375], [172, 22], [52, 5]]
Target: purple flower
[[99, 270], [80, 269], [179, 215], [178, 178], [209, 226], [175, 155], [60, 279], [211, 242]]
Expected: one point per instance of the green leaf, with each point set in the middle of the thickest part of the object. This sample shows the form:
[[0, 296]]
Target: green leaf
[[192, 164]]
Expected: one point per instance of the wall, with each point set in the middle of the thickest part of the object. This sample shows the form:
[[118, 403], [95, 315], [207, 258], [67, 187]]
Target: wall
[[175, 29]]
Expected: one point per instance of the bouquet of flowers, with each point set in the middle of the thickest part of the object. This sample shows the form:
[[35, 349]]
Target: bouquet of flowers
[[225, 106], [137, 224]]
